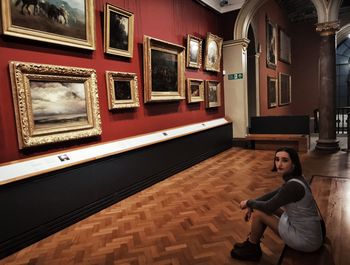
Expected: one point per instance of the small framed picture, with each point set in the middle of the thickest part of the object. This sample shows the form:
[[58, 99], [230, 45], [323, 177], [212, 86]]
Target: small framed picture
[[122, 90], [271, 92], [285, 94], [195, 90], [194, 52], [213, 47], [118, 31], [212, 94], [284, 47]]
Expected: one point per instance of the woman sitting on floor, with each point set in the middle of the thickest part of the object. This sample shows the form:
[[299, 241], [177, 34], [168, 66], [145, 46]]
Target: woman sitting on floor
[[299, 224]]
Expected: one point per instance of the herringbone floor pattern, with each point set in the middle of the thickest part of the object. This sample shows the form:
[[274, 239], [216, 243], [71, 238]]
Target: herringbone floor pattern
[[190, 218]]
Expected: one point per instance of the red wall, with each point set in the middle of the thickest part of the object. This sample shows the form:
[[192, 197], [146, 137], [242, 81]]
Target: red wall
[[305, 61], [277, 16], [169, 20], [305, 45]]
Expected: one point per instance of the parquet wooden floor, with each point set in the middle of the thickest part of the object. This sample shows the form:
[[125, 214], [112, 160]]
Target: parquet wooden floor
[[190, 218]]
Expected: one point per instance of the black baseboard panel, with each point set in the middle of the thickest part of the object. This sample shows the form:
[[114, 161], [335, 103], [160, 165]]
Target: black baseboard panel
[[34, 208]]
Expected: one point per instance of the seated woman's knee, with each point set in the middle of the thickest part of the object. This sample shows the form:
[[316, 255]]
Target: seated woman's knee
[[258, 214]]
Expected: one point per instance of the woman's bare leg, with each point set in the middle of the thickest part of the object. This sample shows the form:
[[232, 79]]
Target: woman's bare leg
[[260, 221]]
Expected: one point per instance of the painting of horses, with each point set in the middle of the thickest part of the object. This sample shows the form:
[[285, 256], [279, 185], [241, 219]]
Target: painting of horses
[[54, 103], [164, 67], [57, 21]]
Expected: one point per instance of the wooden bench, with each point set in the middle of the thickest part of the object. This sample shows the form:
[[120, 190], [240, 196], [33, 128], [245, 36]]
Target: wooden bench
[[300, 142], [272, 132], [331, 194]]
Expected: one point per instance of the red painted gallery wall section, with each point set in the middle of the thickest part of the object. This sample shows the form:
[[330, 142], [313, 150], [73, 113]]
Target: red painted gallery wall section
[[168, 20], [305, 47], [278, 17]]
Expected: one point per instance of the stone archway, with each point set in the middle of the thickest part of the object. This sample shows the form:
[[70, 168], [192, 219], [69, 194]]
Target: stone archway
[[235, 59]]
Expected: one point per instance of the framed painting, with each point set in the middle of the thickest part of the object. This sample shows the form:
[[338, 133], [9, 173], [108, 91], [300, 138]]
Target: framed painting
[[118, 31], [54, 103], [164, 70], [194, 52], [195, 90], [285, 94], [212, 57], [122, 90], [271, 44], [212, 94], [284, 51], [70, 23], [271, 92]]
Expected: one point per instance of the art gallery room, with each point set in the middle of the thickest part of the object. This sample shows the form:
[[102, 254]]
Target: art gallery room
[[172, 132]]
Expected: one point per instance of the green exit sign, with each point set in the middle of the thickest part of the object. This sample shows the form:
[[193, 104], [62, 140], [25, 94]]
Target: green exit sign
[[235, 76]]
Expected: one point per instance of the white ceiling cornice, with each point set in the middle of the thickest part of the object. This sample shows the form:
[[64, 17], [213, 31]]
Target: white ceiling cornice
[[215, 4]]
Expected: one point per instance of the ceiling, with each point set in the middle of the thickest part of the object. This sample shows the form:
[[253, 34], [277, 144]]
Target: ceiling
[[297, 10], [223, 6]]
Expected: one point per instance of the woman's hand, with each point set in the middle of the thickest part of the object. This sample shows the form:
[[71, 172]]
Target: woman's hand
[[243, 204], [248, 214]]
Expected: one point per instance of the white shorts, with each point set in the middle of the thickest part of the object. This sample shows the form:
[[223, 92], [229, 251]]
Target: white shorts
[[302, 235]]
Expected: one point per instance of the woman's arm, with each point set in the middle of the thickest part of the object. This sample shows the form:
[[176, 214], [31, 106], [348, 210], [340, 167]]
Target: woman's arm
[[268, 195], [290, 192]]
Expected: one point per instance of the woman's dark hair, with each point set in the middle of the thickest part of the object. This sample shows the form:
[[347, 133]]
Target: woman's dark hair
[[297, 171]]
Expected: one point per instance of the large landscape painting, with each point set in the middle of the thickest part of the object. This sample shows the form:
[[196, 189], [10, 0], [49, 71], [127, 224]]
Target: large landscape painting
[[57, 21]]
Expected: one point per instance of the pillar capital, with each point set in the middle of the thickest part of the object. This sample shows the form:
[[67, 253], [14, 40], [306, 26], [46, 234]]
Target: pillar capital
[[327, 28], [243, 43]]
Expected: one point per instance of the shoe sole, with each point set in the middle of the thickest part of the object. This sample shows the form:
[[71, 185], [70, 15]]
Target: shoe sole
[[245, 258]]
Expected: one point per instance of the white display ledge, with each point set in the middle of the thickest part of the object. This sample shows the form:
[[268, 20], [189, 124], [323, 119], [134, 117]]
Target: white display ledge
[[26, 168]]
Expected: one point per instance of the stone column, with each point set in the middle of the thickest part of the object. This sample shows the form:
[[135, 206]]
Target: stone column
[[236, 101], [327, 105]]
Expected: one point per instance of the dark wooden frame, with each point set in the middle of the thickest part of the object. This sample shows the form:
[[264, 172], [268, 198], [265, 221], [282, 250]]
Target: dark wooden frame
[[272, 92]]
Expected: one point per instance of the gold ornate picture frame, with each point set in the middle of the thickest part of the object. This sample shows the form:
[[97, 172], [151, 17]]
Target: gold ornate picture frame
[[271, 44], [118, 31], [122, 90], [195, 90], [194, 52], [272, 92], [212, 94], [164, 70], [285, 93], [54, 103], [71, 24], [213, 49]]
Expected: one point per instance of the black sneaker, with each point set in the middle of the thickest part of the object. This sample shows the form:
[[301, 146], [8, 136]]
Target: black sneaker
[[241, 244], [246, 251]]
